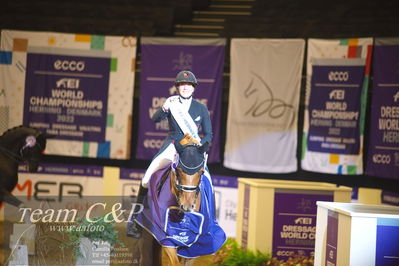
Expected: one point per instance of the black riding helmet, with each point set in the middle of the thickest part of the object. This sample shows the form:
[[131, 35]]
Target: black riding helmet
[[186, 76]]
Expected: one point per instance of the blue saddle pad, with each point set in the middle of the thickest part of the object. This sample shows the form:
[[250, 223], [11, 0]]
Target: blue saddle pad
[[183, 228], [192, 233]]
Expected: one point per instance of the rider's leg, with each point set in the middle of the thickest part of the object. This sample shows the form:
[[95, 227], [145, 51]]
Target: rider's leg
[[160, 161], [207, 174], [163, 159], [133, 228]]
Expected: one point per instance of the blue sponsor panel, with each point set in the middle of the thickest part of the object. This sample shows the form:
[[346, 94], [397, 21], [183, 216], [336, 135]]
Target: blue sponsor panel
[[387, 245]]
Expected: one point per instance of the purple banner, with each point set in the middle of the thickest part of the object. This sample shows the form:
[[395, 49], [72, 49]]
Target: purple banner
[[294, 224], [383, 148], [390, 198], [224, 181], [66, 95], [131, 174], [332, 239], [245, 217], [65, 169], [334, 109], [161, 60], [355, 193]]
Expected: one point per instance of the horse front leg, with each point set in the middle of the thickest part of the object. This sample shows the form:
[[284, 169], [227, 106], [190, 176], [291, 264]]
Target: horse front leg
[[172, 255], [6, 196], [188, 262]]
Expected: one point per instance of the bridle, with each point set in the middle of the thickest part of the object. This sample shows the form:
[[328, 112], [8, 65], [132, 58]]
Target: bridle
[[30, 142], [187, 188], [16, 157], [198, 168]]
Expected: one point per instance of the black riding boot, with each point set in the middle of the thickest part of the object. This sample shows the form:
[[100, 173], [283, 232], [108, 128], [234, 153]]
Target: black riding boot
[[133, 228]]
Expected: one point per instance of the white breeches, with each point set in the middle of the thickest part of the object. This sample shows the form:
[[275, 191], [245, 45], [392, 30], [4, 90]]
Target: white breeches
[[163, 159]]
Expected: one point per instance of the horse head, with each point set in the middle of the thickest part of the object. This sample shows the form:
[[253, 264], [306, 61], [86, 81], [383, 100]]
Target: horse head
[[18, 145], [24, 144], [186, 178]]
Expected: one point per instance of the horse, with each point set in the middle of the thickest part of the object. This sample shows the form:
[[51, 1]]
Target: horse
[[179, 209], [18, 145]]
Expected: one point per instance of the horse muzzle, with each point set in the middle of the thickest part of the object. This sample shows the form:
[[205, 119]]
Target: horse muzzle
[[187, 208]]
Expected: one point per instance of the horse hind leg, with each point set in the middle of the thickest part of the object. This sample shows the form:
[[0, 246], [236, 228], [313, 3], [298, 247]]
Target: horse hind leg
[[172, 256]]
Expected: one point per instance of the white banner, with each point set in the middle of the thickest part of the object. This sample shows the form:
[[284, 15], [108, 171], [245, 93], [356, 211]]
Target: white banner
[[226, 201], [332, 141], [58, 185], [265, 80], [76, 87]]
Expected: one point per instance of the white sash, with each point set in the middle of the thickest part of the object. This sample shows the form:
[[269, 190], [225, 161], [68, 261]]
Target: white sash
[[184, 120]]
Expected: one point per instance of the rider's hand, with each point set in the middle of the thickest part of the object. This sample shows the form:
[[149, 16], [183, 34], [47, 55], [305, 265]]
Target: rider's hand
[[179, 147], [168, 103], [204, 147]]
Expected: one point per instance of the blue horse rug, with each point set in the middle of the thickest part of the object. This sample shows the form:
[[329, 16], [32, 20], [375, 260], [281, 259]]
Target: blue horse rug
[[192, 233]]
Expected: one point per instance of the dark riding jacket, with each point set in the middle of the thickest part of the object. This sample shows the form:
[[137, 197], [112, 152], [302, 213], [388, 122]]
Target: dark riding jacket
[[201, 118]]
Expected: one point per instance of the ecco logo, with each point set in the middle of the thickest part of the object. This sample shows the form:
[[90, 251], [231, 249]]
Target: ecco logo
[[69, 65], [381, 159], [338, 76], [152, 143], [284, 253]]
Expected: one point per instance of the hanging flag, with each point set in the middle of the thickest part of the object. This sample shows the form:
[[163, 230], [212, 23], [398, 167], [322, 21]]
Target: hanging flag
[[161, 60], [76, 87], [337, 82], [265, 81], [383, 136]]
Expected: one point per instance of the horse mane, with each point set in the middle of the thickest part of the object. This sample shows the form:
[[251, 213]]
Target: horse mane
[[29, 130], [10, 136], [10, 130], [13, 129]]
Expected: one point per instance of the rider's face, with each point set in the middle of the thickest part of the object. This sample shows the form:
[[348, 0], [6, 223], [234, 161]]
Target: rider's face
[[185, 89]]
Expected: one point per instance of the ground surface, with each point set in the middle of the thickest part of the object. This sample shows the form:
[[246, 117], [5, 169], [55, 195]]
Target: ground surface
[[47, 249]]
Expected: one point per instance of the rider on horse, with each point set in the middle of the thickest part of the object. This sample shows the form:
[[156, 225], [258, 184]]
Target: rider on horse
[[185, 116]]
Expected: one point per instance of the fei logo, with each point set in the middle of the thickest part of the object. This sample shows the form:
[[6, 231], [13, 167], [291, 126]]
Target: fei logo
[[68, 83], [303, 220]]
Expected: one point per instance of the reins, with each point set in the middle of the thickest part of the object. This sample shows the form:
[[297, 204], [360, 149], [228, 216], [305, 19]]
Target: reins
[[17, 158]]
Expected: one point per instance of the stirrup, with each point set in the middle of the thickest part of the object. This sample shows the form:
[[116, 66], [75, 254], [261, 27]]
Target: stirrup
[[134, 230]]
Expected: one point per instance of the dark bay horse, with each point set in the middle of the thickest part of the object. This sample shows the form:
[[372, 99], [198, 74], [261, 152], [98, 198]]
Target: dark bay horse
[[18, 145], [179, 209]]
